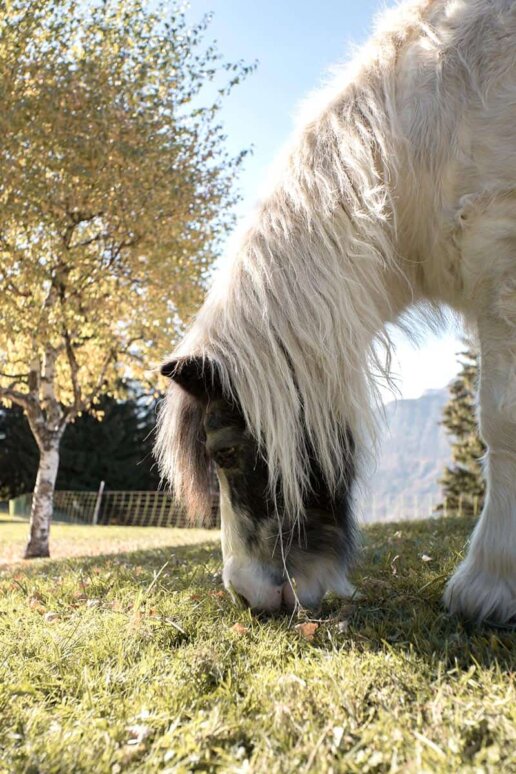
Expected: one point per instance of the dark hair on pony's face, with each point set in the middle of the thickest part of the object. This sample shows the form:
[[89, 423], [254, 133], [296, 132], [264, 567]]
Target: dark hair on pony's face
[[182, 457]]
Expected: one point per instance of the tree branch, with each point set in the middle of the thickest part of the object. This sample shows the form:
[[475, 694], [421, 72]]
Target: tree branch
[[74, 373], [17, 292], [111, 357], [17, 377], [34, 375], [20, 398], [76, 216], [87, 242]]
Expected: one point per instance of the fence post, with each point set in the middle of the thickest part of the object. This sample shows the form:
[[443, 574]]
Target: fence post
[[97, 504], [154, 508], [162, 509]]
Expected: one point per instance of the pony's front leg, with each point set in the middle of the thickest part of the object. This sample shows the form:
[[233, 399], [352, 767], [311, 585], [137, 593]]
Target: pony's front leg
[[484, 585]]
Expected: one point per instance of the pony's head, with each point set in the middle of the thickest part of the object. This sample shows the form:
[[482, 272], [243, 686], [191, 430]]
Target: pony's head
[[271, 560]]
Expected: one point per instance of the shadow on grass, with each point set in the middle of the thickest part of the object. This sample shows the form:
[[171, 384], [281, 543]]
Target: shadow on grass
[[401, 581], [400, 610], [416, 625], [148, 561]]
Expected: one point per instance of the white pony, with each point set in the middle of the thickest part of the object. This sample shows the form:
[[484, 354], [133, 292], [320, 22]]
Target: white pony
[[398, 192]]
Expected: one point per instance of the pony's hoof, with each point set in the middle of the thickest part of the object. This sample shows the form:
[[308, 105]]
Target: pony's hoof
[[477, 595]]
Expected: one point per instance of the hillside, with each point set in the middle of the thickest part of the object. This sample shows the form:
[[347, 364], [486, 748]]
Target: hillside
[[413, 453]]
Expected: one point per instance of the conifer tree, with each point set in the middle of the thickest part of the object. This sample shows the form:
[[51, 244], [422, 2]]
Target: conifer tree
[[112, 444], [463, 482], [18, 454]]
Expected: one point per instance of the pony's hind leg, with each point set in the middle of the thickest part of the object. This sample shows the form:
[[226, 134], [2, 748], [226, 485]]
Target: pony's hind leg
[[484, 585]]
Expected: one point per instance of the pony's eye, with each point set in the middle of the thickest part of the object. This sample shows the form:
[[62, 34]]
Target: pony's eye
[[226, 458]]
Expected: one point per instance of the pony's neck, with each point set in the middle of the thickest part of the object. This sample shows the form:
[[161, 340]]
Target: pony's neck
[[314, 282]]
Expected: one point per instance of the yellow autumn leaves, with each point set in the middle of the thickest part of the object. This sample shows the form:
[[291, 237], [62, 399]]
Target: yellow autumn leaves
[[114, 192]]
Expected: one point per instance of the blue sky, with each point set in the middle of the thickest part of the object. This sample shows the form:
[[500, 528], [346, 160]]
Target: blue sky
[[296, 42]]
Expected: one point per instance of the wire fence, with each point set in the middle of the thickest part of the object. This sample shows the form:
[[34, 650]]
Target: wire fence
[[397, 508], [160, 509], [130, 508], [413, 507]]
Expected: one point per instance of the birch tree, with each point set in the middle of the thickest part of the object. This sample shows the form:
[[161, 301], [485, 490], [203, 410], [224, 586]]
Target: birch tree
[[114, 193]]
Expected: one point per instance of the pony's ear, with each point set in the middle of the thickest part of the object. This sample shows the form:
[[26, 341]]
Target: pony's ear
[[197, 376]]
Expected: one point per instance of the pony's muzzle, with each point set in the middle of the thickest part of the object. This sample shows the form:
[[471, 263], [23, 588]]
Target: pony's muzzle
[[263, 589], [257, 586], [278, 597]]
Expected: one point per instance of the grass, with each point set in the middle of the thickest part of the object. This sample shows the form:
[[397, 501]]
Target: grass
[[81, 540], [139, 662]]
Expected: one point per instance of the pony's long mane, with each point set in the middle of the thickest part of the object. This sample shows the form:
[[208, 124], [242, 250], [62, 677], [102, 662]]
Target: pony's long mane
[[294, 323]]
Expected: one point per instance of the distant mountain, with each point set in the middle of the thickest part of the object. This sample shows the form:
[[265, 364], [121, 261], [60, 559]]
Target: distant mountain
[[413, 453]]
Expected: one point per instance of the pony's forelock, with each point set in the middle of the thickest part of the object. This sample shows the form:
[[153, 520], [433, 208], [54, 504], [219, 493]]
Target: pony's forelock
[[181, 452]]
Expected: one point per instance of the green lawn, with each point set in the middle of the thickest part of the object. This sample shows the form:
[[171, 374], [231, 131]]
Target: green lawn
[[83, 540], [139, 662]]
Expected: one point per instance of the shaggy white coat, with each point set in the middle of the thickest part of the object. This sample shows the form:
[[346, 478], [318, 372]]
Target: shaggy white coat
[[398, 190]]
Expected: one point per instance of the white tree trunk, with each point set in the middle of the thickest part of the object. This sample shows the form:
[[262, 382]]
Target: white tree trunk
[[43, 500]]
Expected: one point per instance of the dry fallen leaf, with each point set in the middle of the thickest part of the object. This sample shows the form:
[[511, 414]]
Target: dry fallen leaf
[[239, 628], [307, 630], [36, 604]]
